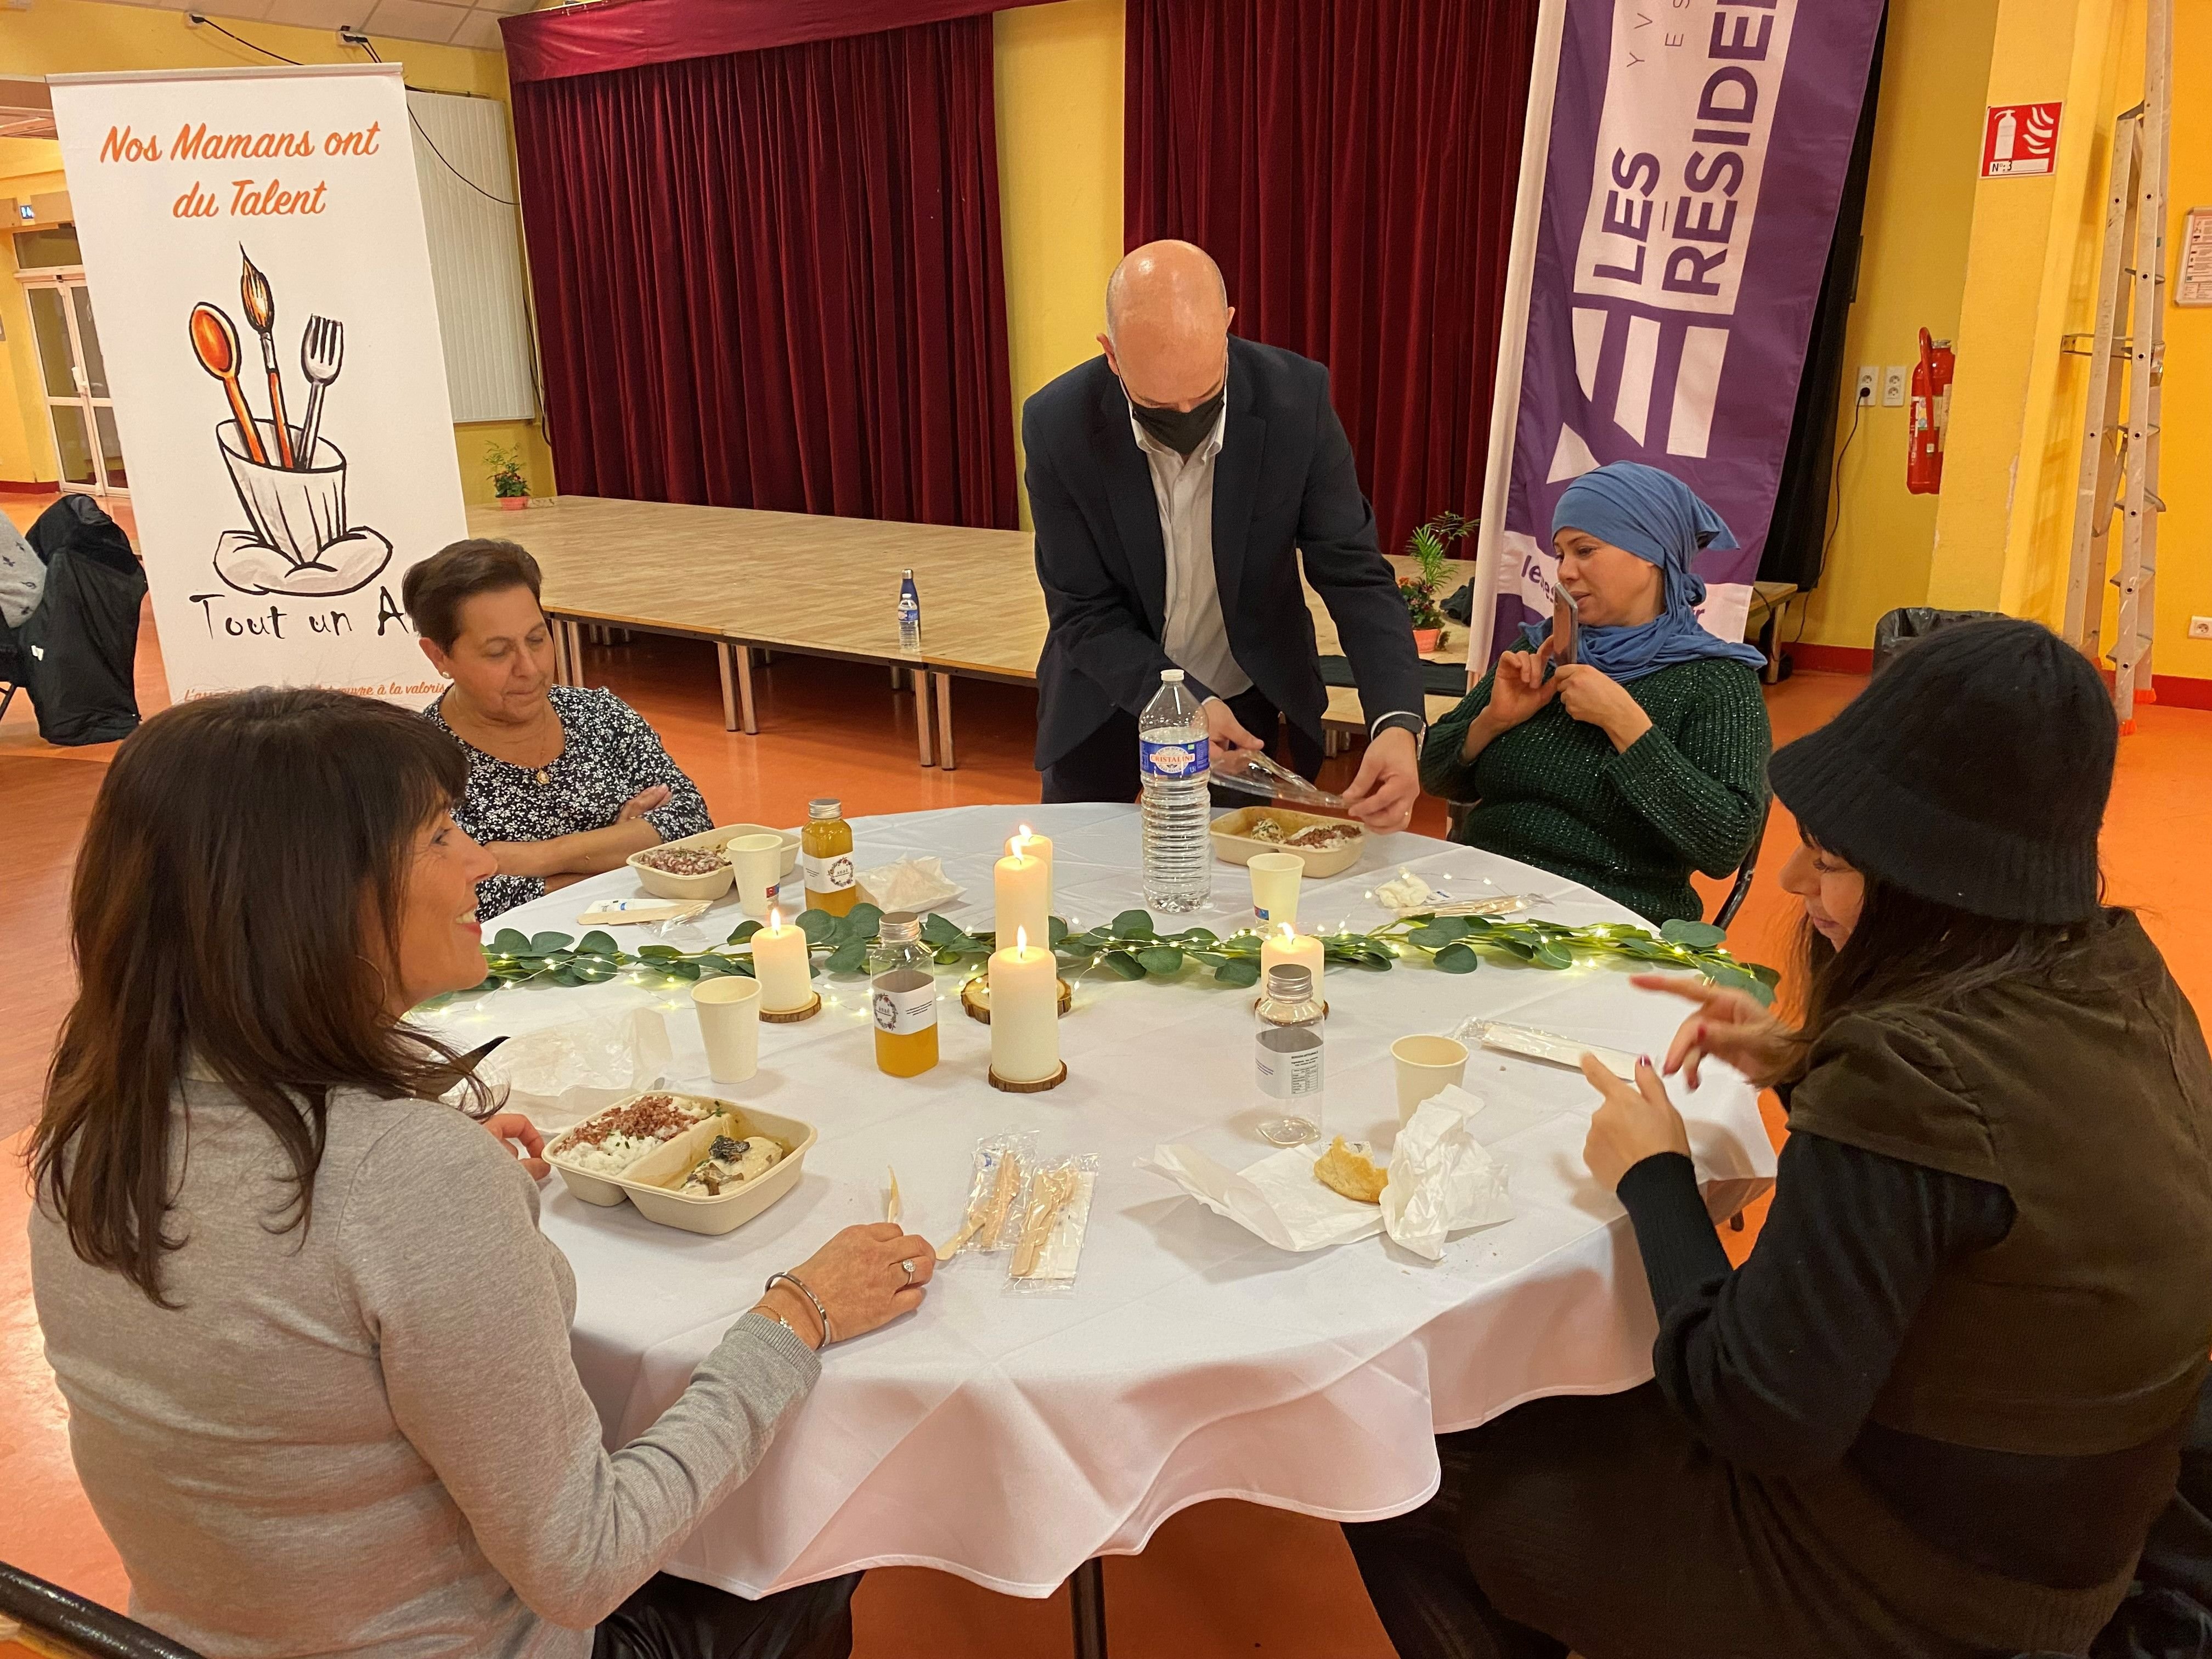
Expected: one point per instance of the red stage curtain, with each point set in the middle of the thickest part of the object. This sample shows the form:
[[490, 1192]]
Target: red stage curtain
[[772, 279], [612, 34], [1352, 165]]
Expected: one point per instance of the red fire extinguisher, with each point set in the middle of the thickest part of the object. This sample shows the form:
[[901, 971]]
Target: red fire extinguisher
[[1931, 416]]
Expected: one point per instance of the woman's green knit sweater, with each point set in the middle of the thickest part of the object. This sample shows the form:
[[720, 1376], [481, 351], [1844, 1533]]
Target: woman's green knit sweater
[[1689, 794]]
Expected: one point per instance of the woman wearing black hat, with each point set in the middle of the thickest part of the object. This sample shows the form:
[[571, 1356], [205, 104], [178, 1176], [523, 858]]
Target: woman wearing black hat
[[1938, 1409]]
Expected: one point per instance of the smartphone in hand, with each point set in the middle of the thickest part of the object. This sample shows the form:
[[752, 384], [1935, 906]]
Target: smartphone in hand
[[1566, 629]]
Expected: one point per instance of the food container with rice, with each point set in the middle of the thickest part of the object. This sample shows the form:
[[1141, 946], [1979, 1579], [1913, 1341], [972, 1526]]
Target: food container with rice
[[604, 1145], [675, 870], [713, 840], [1327, 846], [721, 1172]]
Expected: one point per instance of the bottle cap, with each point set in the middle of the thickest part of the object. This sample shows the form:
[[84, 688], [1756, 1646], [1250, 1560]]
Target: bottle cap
[[1171, 677], [1290, 982], [900, 927], [825, 808]]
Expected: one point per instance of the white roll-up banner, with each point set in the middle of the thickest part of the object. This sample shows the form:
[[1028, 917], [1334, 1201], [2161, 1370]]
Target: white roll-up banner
[[254, 251]]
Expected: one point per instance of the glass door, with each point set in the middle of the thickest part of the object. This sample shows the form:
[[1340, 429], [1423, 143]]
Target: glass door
[[74, 376]]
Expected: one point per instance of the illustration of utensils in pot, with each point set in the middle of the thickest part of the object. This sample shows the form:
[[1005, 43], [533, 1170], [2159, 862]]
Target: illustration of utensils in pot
[[290, 480]]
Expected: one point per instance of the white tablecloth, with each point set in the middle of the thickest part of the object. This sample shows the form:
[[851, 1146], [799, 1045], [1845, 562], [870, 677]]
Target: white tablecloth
[[1009, 1438]]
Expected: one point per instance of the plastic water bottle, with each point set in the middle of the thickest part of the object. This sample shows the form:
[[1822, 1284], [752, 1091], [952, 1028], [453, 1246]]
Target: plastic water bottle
[[1172, 762], [909, 614]]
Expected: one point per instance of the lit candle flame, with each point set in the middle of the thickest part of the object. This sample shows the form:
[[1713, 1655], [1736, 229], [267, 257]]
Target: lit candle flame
[[1016, 847], [1288, 933], [775, 918], [1021, 939]]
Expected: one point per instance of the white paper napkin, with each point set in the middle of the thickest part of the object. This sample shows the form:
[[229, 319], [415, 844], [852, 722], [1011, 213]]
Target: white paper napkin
[[909, 884], [1442, 1178], [562, 1074], [1441, 1181]]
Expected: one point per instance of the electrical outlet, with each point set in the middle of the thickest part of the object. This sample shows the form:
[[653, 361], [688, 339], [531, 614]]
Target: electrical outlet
[[1868, 375], [1892, 386], [2200, 627]]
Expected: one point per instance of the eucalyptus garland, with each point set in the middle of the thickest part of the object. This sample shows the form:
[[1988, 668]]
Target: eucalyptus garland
[[1132, 947]]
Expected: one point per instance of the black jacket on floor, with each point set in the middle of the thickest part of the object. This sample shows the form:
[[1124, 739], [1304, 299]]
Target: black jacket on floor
[[79, 649], [1283, 483]]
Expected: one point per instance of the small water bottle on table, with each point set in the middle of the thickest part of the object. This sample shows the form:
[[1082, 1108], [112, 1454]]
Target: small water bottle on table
[[909, 614], [1289, 1054], [1173, 766]]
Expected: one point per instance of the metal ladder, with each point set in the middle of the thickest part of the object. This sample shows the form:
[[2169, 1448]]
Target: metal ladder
[[2127, 369]]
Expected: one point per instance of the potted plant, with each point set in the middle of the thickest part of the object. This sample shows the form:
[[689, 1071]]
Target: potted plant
[[1423, 591], [507, 481]]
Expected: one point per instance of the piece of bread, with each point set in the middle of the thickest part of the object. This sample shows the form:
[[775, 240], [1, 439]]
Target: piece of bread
[[1344, 1170]]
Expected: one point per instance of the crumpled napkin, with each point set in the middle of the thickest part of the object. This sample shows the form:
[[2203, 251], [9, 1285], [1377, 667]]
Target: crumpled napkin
[[909, 884], [560, 1075], [1441, 1181]]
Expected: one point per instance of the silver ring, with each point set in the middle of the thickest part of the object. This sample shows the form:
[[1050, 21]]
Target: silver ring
[[907, 1267]]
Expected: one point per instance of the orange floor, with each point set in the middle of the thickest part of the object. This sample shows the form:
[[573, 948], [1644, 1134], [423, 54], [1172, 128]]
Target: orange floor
[[1224, 1579]]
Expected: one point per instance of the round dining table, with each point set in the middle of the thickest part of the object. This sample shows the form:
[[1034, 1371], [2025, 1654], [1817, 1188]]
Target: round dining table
[[1012, 1438]]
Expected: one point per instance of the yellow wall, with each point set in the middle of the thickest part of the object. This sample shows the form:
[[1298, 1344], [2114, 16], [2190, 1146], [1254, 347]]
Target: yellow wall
[[60, 36], [1913, 268], [1059, 96], [2184, 578]]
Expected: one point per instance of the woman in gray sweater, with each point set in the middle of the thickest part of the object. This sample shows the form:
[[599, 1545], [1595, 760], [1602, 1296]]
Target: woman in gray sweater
[[315, 1349]]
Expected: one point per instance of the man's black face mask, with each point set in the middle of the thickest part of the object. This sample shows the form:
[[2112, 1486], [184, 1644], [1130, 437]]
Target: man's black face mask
[[1182, 430]]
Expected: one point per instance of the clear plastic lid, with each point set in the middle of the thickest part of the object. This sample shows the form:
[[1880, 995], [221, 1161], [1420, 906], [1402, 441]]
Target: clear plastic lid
[[1253, 773]]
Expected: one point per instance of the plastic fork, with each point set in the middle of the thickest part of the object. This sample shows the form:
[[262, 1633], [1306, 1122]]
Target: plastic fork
[[322, 352]]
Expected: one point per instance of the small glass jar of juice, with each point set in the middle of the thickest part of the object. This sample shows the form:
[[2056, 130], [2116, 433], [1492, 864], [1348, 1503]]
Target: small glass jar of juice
[[825, 848], [904, 996]]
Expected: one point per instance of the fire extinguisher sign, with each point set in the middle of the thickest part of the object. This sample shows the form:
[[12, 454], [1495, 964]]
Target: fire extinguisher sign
[[2020, 140]]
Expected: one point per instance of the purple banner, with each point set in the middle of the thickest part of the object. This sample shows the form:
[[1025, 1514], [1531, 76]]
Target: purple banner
[[1697, 152]]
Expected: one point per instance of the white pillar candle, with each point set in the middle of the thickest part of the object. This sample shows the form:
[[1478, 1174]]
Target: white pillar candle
[[1025, 1013], [1030, 844], [1287, 946], [1021, 892], [780, 962]]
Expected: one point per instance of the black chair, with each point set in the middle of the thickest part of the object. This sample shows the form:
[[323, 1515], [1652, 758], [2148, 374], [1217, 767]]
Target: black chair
[[1455, 813], [77, 1625]]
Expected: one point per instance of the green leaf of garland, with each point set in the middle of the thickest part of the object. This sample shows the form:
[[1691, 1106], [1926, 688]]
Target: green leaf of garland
[[1133, 924], [597, 944], [1243, 970], [508, 942], [1698, 935], [850, 957], [545, 945], [1457, 958], [1162, 960], [1122, 965], [743, 930], [1055, 929], [940, 931], [817, 926]]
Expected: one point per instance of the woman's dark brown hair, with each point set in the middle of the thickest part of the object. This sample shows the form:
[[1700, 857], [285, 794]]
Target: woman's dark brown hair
[[237, 907], [1908, 952], [436, 588]]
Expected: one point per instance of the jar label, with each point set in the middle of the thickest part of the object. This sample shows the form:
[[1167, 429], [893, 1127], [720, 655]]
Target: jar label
[[1175, 761], [831, 875], [905, 1002], [1289, 1063]]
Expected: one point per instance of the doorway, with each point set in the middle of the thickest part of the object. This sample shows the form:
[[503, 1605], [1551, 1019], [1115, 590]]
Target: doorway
[[74, 378]]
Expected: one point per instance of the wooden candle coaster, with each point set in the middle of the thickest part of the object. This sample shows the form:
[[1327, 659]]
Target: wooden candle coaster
[[975, 999], [793, 1016], [1037, 1088]]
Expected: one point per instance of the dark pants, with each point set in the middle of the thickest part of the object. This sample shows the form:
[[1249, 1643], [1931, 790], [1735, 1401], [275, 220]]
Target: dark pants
[[668, 1618], [1103, 766], [1601, 1524]]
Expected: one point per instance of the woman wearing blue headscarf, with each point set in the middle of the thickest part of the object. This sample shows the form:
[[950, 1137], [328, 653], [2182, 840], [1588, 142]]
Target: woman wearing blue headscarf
[[1645, 758]]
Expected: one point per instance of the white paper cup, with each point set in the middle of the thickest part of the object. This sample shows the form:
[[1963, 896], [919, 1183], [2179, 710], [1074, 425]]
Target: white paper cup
[[758, 861], [729, 1020], [1275, 879], [1426, 1066]]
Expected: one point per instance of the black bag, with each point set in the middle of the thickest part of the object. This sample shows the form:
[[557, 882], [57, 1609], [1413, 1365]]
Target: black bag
[[1906, 627], [79, 649]]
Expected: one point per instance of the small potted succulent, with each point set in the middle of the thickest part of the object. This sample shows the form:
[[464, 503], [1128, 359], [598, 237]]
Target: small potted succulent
[[1423, 592], [507, 481]]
